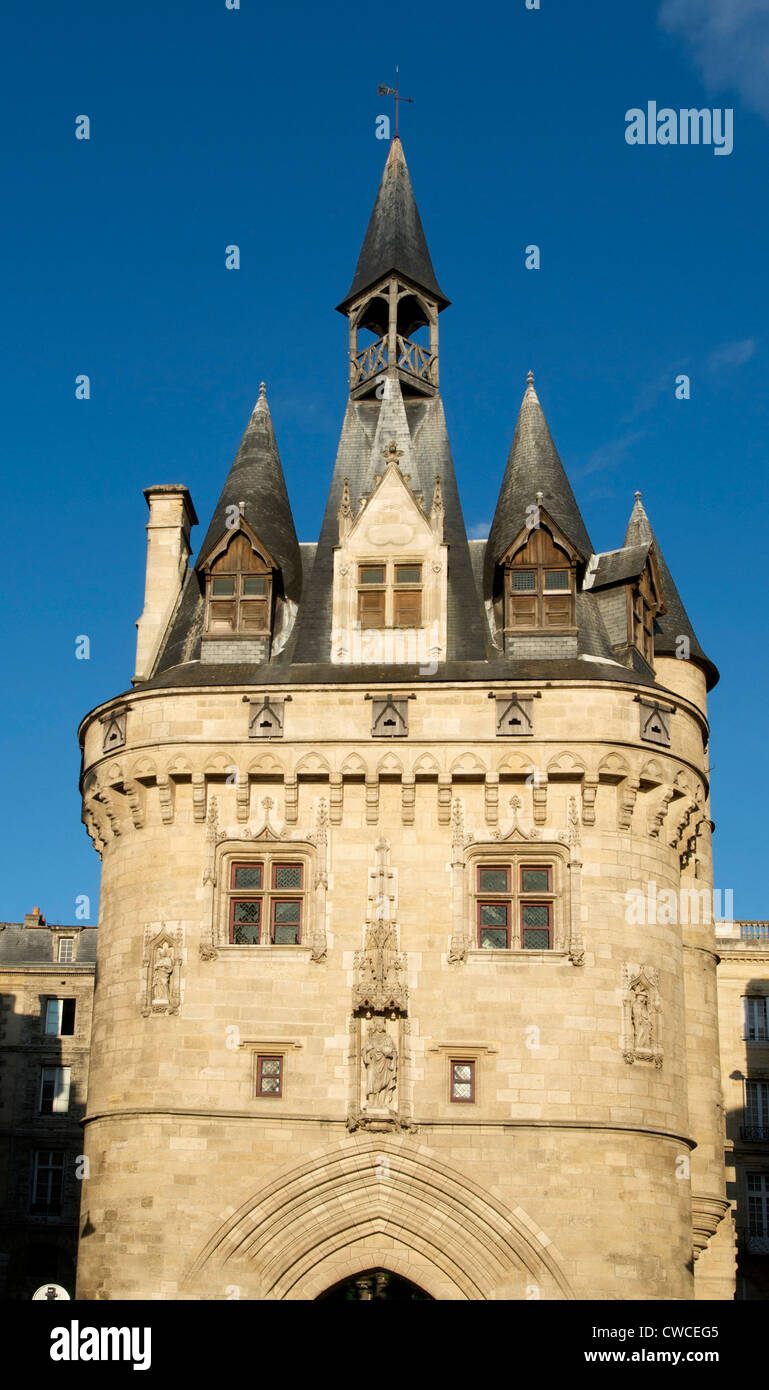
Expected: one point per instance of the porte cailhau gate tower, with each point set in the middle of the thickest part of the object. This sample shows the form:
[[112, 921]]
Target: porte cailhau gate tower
[[370, 999]]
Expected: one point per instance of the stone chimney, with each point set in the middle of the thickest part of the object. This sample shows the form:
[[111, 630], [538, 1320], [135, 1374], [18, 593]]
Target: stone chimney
[[168, 551], [34, 918]]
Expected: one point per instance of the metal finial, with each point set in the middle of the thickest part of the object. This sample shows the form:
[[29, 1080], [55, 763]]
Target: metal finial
[[638, 497], [540, 499], [262, 389], [530, 379]]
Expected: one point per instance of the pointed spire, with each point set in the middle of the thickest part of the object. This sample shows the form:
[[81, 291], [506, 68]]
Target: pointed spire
[[395, 239], [534, 473], [674, 622], [256, 486]]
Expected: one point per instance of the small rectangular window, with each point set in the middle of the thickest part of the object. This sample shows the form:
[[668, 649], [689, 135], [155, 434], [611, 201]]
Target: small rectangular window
[[494, 925], [523, 581], [245, 921], [47, 1181], [463, 1081], [54, 1090], [758, 1203], [535, 926], [372, 574], [269, 1076], [60, 1017], [223, 588], [287, 876], [535, 880], [556, 579], [494, 880], [254, 584], [66, 949], [408, 574], [247, 875], [757, 1019], [286, 921]]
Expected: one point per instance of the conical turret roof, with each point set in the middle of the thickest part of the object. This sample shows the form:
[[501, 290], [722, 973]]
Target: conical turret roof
[[674, 623], [256, 480], [395, 239], [533, 466]]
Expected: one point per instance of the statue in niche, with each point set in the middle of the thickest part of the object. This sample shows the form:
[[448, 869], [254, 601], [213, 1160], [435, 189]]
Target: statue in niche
[[380, 1058], [162, 971], [640, 1012]]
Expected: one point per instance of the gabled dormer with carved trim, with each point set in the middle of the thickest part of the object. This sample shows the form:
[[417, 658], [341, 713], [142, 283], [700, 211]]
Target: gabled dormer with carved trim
[[240, 579], [536, 589], [390, 574]]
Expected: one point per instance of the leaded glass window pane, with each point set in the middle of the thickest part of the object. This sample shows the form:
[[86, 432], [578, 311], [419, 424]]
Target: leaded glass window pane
[[254, 584], [494, 939], [286, 912], [536, 940], [556, 579], [247, 876], [535, 881], [271, 1066], [494, 915], [287, 876], [408, 574], [462, 1090], [372, 574], [248, 912], [270, 1085], [493, 880], [523, 581], [463, 1071], [536, 915], [225, 588]]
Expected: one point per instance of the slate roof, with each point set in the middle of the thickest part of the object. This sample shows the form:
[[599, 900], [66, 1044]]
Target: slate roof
[[675, 621], [256, 479], [617, 566], [21, 945], [533, 466], [395, 239]]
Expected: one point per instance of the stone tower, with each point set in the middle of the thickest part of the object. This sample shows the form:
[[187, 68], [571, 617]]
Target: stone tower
[[394, 972]]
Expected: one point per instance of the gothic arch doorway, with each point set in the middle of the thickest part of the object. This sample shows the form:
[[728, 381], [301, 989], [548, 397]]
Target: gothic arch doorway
[[372, 1284]]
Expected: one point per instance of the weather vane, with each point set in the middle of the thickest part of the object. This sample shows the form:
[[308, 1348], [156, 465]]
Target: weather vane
[[394, 92]]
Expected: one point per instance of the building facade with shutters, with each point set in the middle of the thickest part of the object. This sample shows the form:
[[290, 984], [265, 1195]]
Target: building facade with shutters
[[382, 989], [46, 995]]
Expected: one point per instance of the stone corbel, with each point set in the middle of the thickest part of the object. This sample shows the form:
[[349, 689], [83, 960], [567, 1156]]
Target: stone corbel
[[589, 789], [627, 798], [372, 798], [491, 798], [136, 801], [658, 813], [444, 798], [539, 797], [408, 798], [198, 796], [242, 797], [167, 797], [335, 797], [291, 791]]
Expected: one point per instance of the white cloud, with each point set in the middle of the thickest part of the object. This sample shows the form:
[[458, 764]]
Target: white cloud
[[728, 41], [734, 354], [479, 531], [611, 455]]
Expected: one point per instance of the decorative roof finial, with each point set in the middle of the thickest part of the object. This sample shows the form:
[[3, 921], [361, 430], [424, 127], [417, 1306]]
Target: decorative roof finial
[[638, 497], [262, 390], [530, 379], [540, 498]]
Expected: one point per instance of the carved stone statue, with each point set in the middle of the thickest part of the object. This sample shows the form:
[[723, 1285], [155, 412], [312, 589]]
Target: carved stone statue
[[162, 971], [640, 1012], [380, 1058]]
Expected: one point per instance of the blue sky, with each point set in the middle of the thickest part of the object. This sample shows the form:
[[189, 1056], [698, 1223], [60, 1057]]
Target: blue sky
[[256, 127]]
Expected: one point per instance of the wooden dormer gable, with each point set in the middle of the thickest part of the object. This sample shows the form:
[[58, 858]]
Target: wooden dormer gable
[[540, 570], [240, 579]]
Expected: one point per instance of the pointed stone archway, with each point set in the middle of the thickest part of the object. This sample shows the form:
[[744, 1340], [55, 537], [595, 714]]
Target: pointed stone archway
[[374, 1285], [378, 1202]]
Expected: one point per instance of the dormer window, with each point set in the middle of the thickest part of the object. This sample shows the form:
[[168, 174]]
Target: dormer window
[[540, 586], [644, 606], [238, 591]]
